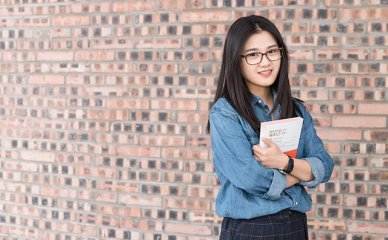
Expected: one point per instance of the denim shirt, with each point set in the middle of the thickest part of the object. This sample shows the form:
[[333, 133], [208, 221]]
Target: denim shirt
[[249, 189]]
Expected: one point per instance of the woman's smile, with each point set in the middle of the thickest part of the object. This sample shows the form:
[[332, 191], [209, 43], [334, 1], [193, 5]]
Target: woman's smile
[[266, 73]]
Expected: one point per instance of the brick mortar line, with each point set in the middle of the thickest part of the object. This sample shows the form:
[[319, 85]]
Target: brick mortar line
[[102, 132], [146, 182], [59, 3], [346, 232], [207, 173], [116, 203], [117, 181], [137, 134], [161, 147], [117, 97], [43, 230], [112, 132], [67, 187], [184, 64], [180, 24], [67, 130], [183, 61], [192, 63], [72, 108], [113, 227], [105, 203], [190, 74], [207, 5], [128, 75], [131, 22]]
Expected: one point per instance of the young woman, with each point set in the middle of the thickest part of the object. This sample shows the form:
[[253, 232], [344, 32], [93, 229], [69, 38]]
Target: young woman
[[262, 193]]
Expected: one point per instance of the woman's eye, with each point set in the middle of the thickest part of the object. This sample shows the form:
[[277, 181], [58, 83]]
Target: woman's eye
[[252, 54], [272, 51]]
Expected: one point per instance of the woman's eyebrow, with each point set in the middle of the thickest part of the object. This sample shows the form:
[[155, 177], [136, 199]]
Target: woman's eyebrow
[[274, 45], [251, 49], [256, 49]]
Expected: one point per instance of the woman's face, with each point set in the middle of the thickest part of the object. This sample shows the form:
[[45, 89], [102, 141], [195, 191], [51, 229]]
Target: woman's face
[[261, 75]]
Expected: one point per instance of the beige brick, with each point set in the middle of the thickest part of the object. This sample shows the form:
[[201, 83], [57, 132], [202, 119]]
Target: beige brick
[[54, 56], [37, 156], [188, 229], [359, 121]]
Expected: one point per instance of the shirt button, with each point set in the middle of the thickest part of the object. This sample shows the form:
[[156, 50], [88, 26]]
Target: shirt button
[[296, 203]]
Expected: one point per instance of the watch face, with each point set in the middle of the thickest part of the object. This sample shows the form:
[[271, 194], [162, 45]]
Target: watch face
[[290, 166]]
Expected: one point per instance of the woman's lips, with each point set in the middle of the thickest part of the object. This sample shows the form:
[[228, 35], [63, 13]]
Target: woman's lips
[[265, 73]]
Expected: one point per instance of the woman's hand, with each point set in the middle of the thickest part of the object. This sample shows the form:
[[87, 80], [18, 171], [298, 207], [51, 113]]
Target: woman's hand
[[270, 157]]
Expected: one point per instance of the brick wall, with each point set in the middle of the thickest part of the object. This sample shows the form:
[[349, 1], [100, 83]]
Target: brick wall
[[103, 108]]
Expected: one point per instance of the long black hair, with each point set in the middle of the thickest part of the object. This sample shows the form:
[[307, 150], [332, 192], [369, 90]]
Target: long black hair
[[231, 83]]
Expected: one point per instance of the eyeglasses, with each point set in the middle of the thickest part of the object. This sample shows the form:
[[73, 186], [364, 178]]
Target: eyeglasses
[[256, 57]]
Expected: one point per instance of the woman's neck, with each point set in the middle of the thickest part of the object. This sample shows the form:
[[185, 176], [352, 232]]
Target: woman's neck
[[266, 95]]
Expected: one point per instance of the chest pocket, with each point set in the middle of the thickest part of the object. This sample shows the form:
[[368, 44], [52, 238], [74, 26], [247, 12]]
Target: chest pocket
[[253, 138]]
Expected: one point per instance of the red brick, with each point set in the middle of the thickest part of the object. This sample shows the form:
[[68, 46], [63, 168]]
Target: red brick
[[378, 135], [138, 151], [96, 56], [133, 6], [216, 16], [362, 227], [301, 54], [58, 192], [46, 79], [359, 121], [162, 141], [373, 108], [128, 103], [72, 21], [174, 104], [339, 134], [171, 5]]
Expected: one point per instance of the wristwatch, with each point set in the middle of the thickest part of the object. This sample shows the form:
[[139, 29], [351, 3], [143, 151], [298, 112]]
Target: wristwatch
[[290, 165]]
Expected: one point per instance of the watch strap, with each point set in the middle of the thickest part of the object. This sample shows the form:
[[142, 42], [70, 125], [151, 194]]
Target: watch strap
[[290, 165]]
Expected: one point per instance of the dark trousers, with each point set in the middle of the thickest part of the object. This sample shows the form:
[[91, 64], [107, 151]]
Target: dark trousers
[[284, 225]]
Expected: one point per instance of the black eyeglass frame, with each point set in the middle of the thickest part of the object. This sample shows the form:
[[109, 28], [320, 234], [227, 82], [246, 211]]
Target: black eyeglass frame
[[262, 55]]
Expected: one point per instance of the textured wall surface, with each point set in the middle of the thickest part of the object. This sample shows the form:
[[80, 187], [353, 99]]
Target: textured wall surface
[[103, 108]]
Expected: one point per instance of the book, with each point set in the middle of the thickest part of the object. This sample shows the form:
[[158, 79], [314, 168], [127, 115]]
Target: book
[[285, 133]]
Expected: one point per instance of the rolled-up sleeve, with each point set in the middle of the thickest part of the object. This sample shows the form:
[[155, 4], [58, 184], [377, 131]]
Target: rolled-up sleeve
[[234, 160], [279, 182], [318, 171], [315, 154]]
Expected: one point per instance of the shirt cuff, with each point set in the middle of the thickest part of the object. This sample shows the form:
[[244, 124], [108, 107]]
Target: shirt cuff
[[279, 182], [318, 171]]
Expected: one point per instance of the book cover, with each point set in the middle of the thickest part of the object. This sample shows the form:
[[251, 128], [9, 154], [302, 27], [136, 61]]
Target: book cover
[[285, 133]]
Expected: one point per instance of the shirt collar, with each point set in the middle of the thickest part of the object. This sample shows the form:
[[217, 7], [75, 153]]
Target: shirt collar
[[257, 99]]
